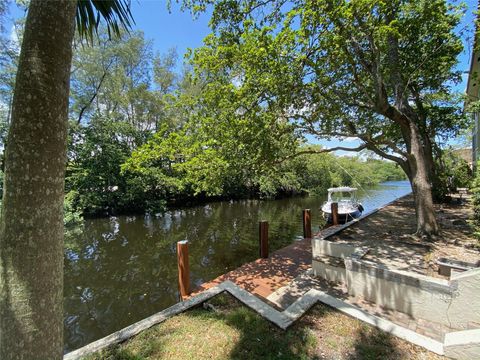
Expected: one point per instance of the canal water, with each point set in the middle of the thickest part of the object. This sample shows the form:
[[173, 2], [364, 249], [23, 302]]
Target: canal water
[[122, 269]]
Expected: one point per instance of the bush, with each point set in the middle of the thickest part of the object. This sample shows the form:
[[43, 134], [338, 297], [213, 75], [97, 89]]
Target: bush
[[451, 172], [475, 189]]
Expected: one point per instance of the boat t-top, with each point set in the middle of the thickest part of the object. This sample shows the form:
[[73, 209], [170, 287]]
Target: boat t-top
[[348, 205]]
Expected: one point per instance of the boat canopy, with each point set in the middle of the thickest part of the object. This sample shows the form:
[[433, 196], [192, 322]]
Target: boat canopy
[[342, 189]]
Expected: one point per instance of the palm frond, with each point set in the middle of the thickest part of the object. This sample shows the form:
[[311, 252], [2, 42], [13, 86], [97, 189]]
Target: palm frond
[[116, 14]]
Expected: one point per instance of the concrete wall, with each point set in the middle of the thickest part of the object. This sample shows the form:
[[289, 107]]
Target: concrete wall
[[465, 307], [454, 303], [322, 247], [412, 294], [329, 272], [464, 345]]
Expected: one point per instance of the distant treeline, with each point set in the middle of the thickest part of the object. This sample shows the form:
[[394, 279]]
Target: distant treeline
[[144, 136], [114, 169]]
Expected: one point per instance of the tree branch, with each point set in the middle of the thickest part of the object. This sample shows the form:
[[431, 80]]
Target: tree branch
[[95, 93], [322, 151]]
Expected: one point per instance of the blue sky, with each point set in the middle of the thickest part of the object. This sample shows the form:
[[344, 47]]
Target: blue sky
[[170, 29], [177, 29]]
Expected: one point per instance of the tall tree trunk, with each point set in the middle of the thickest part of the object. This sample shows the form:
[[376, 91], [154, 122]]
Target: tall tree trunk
[[420, 177], [407, 118], [31, 224]]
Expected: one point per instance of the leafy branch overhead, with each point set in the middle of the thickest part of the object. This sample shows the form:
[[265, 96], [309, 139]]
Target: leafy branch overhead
[[115, 14], [380, 71]]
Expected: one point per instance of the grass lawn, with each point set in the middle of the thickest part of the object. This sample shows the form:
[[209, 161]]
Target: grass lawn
[[232, 331]]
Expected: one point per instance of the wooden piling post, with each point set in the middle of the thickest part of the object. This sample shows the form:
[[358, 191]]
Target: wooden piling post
[[334, 208], [307, 224], [263, 237], [183, 268]]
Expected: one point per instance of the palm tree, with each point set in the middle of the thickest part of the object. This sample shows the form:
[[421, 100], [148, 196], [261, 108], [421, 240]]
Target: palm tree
[[31, 223]]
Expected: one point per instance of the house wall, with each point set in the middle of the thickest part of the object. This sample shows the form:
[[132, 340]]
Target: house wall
[[474, 144]]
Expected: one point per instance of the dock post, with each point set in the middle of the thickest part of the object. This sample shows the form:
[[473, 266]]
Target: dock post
[[183, 268], [263, 236], [307, 224], [335, 213]]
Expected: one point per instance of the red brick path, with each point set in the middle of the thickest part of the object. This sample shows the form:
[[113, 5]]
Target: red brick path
[[263, 276]]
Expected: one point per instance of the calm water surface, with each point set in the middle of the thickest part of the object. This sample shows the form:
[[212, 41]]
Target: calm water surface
[[123, 269]]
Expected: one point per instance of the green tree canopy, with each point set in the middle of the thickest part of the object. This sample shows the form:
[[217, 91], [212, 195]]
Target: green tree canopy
[[381, 71]]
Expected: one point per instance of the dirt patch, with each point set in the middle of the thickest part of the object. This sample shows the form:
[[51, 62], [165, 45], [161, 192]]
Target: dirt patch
[[389, 236]]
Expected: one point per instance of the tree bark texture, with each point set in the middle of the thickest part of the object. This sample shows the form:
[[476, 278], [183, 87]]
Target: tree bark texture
[[419, 174], [419, 159], [31, 224], [418, 168]]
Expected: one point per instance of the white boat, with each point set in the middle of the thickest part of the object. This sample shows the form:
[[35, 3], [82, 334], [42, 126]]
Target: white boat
[[348, 205]]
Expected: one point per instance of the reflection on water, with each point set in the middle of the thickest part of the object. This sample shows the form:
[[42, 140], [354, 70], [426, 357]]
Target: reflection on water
[[123, 269]]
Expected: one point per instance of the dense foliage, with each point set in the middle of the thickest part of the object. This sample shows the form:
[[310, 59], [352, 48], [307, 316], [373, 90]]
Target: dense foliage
[[475, 190], [379, 71], [110, 172], [141, 137], [145, 132], [453, 172]]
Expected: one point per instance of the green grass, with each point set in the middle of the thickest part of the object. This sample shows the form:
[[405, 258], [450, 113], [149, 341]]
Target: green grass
[[233, 331]]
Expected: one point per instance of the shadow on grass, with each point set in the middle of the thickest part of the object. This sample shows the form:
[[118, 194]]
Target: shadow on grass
[[258, 338], [230, 330], [339, 336], [116, 353], [372, 344]]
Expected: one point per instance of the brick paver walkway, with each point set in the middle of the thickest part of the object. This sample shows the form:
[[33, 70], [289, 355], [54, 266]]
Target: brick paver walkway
[[263, 276]]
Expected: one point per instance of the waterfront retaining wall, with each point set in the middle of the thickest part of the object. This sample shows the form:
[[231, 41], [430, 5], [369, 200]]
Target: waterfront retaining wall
[[454, 303]]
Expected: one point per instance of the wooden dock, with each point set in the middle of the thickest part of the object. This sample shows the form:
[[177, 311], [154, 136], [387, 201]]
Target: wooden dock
[[263, 276]]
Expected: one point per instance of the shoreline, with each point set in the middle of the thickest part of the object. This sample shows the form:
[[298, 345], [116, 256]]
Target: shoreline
[[262, 278]]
